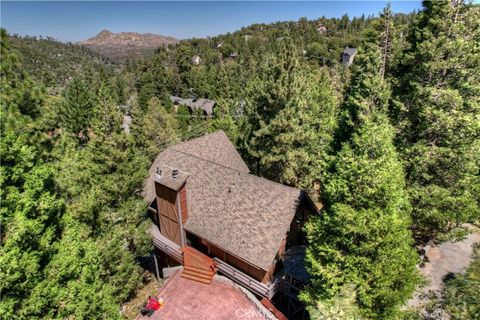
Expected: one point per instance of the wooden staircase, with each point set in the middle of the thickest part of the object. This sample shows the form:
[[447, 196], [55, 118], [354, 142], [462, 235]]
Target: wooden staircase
[[197, 266]]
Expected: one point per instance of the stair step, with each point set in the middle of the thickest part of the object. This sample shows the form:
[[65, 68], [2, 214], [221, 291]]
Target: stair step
[[197, 270], [197, 259], [198, 264], [193, 254], [195, 278], [196, 274]]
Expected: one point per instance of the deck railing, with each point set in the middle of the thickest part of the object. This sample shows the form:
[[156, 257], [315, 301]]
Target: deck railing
[[164, 244], [262, 289]]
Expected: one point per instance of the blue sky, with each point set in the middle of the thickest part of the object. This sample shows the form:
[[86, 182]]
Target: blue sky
[[74, 21]]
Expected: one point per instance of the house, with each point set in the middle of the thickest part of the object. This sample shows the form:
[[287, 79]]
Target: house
[[211, 215], [196, 60], [347, 56], [206, 105], [322, 29]]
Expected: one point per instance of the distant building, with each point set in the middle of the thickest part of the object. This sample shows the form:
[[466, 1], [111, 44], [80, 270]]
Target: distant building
[[220, 44], [233, 55], [206, 105], [196, 60], [321, 29], [347, 56]]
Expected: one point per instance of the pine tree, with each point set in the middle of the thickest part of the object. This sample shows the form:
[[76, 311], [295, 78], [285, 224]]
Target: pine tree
[[438, 121], [159, 127], [76, 112], [296, 114], [31, 208], [362, 238]]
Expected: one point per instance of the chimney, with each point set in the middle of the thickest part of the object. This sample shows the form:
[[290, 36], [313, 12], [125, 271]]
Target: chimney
[[159, 172], [174, 173]]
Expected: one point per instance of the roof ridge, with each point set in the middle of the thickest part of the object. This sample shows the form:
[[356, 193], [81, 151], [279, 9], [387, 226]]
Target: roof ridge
[[206, 160], [235, 170]]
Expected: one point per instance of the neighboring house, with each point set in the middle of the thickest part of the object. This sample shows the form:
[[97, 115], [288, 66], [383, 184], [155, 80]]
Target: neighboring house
[[210, 214], [347, 56], [321, 29], [206, 105], [196, 60]]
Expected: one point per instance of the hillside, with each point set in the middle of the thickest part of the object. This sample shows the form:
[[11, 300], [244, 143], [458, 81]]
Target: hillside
[[55, 63], [126, 44]]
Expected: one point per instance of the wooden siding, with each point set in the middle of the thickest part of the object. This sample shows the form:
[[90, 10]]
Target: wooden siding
[[244, 266], [236, 262], [167, 213]]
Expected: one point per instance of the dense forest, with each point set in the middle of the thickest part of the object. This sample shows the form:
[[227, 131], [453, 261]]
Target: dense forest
[[389, 147]]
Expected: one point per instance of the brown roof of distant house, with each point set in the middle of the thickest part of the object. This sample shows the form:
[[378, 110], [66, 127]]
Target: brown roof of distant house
[[206, 105], [246, 215]]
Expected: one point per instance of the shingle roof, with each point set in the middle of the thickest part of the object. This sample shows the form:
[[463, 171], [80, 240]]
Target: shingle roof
[[215, 147], [246, 215], [204, 104]]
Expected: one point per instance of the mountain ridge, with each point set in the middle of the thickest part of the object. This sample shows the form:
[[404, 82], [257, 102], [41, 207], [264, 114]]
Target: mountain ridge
[[120, 45]]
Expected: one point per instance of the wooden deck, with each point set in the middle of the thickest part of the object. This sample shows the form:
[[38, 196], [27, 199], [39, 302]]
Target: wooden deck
[[190, 300], [197, 266]]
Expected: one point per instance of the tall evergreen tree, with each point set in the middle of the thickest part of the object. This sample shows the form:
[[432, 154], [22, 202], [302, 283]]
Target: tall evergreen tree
[[362, 238], [31, 208], [440, 116], [159, 127], [297, 113], [77, 109]]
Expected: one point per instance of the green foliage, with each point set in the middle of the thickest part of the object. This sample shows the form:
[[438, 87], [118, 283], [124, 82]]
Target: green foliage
[[341, 306], [438, 118], [461, 293], [363, 238], [31, 209], [20, 97], [293, 116], [76, 111], [73, 257], [159, 126], [54, 63]]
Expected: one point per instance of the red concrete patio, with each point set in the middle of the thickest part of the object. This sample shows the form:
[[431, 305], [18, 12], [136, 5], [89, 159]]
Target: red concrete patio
[[187, 299]]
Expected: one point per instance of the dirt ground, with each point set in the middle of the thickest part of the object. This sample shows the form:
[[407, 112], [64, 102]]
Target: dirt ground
[[444, 260], [131, 309]]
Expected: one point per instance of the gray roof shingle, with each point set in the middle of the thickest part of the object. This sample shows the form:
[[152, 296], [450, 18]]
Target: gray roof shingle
[[246, 215], [206, 105], [350, 51]]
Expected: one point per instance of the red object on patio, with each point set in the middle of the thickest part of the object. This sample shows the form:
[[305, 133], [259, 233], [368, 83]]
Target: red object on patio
[[152, 304]]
